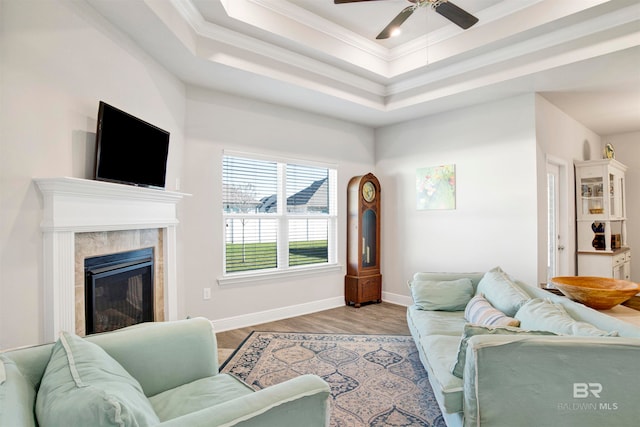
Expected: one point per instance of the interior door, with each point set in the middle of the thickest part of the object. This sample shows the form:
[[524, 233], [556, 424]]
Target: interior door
[[557, 219]]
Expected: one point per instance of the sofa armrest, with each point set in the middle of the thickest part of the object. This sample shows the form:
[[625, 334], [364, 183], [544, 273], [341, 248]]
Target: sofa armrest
[[551, 381], [301, 401]]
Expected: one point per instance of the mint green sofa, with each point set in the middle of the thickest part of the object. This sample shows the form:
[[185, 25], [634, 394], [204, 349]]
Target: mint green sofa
[[525, 378], [170, 377]]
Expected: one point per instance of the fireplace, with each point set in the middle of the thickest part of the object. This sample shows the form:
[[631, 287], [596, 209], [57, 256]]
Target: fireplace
[[118, 290], [86, 218]]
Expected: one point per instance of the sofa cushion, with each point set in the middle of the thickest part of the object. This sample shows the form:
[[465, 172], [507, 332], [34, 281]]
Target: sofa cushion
[[450, 295], [436, 322], [498, 288], [441, 351], [543, 314], [83, 385], [196, 395], [481, 312], [471, 330], [17, 396]]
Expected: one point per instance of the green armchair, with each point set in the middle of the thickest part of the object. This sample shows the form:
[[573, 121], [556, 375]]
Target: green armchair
[[161, 373]]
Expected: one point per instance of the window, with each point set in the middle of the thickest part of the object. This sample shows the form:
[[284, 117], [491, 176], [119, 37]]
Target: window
[[277, 216]]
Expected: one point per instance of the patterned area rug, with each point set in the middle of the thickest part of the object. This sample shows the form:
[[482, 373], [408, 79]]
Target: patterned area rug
[[376, 380]]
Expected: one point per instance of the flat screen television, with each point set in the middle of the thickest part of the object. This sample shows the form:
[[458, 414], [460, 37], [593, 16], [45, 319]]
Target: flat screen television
[[130, 150]]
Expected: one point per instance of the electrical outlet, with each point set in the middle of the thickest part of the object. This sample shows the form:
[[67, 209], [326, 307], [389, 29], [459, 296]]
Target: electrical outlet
[[206, 294]]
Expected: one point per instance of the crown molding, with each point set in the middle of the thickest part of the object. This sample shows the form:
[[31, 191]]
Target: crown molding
[[569, 36], [208, 31], [311, 20], [326, 68], [417, 54]]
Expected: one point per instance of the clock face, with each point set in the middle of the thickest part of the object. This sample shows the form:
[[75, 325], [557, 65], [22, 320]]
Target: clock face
[[368, 191]]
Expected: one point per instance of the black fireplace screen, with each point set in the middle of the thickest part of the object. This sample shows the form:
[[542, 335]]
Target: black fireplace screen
[[118, 290]]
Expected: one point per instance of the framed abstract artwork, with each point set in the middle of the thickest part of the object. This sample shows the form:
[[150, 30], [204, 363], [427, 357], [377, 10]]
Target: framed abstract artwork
[[436, 187]]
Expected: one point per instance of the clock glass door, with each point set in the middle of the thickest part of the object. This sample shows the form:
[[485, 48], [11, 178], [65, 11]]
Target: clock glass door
[[369, 238]]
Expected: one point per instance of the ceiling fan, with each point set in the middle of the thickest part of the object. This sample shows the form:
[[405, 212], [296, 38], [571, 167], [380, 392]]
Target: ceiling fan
[[453, 13]]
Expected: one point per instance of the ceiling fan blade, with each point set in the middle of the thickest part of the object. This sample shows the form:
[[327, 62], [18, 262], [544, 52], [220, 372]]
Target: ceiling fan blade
[[349, 1], [396, 22], [453, 13]]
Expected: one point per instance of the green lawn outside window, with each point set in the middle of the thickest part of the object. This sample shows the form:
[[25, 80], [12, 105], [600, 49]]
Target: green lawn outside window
[[260, 256]]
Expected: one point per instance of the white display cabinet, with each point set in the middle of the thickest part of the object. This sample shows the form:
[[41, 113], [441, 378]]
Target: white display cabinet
[[601, 219]]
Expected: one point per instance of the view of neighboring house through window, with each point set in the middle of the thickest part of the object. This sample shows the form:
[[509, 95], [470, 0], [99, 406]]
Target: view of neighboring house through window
[[277, 215]]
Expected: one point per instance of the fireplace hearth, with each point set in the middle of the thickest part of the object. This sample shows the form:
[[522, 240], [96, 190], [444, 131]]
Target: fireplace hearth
[[119, 290]]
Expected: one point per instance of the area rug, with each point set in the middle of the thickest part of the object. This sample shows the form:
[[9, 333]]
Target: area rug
[[375, 380]]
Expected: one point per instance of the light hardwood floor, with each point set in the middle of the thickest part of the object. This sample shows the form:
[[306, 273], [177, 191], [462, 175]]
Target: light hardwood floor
[[383, 318]]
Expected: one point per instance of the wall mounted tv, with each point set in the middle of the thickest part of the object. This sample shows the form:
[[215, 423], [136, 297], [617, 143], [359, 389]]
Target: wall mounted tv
[[130, 150]]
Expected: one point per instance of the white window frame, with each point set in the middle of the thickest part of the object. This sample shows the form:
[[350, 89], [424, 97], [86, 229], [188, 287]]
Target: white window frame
[[282, 217]]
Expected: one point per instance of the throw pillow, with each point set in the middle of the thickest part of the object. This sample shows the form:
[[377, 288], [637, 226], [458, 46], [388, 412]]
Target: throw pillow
[[546, 315], [481, 312], [17, 396], [501, 291], [82, 385], [451, 295], [472, 330]]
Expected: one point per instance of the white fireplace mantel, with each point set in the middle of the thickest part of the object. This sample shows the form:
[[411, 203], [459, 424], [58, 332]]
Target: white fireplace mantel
[[74, 205]]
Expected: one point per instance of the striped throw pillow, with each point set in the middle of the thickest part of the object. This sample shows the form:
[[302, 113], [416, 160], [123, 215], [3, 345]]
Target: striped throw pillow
[[480, 312]]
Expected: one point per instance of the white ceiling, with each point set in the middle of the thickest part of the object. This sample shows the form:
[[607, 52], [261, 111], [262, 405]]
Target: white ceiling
[[581, 55]]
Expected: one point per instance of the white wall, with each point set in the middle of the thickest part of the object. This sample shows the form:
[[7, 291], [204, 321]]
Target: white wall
[[627, 148], [494, 150], [217, 121], [58, 59], [565, 140]]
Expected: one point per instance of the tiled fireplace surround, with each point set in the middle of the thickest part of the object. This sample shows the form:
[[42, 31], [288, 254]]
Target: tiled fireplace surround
[[109, 242], [84, 218]]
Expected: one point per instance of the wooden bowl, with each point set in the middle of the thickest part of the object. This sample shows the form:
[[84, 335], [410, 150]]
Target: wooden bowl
[[601, 293]]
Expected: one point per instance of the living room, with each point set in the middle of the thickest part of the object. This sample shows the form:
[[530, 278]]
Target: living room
[[59, 59]]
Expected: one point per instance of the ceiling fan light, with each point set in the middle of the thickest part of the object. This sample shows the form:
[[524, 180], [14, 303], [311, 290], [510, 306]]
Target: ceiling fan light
[[396, 32]]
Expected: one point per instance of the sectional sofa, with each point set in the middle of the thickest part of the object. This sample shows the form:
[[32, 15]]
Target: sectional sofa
[[501, 353]]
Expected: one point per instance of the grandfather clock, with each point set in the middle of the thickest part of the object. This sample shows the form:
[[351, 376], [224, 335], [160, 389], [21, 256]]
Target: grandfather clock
[[363, 282]]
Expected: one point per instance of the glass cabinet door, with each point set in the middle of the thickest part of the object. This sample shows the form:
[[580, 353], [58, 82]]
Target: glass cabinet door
[[611, 193], [592, 196], [600, 192], [616, 194]]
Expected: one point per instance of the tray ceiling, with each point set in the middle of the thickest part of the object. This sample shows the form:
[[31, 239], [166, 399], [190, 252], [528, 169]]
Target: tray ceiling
[[582, 55]]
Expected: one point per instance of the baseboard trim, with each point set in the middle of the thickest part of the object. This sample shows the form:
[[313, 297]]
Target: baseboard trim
[[403, 300], [250, 319]]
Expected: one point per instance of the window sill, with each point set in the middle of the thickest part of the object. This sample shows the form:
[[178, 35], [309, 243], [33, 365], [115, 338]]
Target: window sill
[[244, 278]]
